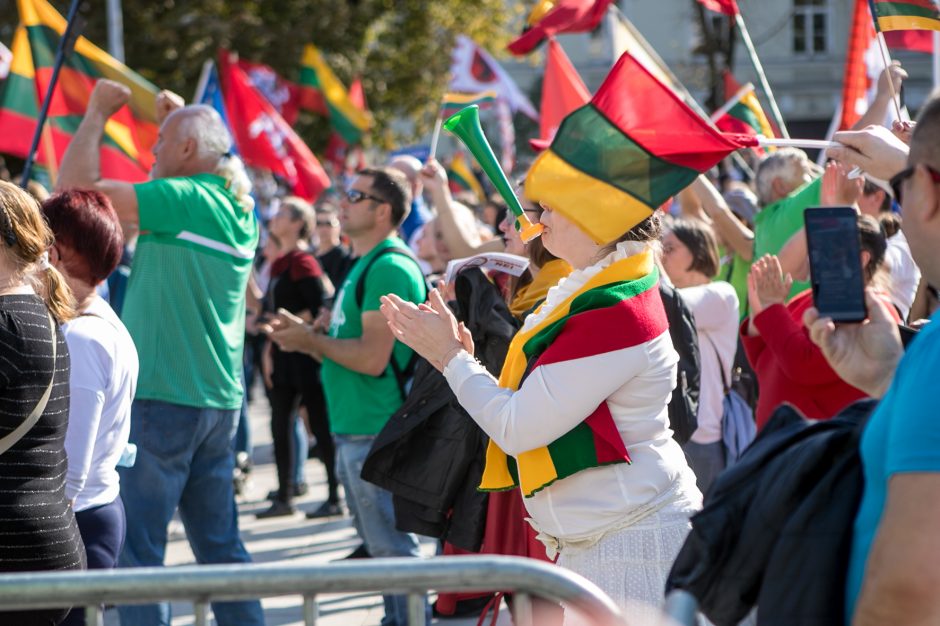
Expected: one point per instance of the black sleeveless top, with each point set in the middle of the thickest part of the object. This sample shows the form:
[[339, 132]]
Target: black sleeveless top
[[37, 525]]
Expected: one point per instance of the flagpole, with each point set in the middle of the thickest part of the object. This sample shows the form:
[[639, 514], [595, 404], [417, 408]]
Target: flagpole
[[752, 52], [936, 59], [203, 81], [727, 106], [66, 44], [435, 136], [886, 57], [811, 144]]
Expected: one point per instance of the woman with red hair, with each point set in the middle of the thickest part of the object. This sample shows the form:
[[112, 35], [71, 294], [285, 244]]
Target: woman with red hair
[[88, 246]]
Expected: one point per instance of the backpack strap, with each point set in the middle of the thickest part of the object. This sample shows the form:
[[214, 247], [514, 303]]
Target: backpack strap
[[13, 437], [721, 366], [402, 374]]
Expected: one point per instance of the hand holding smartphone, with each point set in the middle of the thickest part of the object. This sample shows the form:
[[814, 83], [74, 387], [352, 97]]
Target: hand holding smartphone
[[835, 263]]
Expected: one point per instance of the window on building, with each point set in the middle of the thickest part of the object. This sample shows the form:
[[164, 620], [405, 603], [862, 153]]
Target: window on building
[[810, 26]]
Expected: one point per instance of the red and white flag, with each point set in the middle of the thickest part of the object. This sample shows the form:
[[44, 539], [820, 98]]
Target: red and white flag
[[473, 70], [264, 139]]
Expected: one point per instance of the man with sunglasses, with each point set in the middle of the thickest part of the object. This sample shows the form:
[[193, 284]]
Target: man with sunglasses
[[361, 357], [894, 569]]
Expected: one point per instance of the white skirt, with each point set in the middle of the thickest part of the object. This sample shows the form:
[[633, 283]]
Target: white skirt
[[631, 564]]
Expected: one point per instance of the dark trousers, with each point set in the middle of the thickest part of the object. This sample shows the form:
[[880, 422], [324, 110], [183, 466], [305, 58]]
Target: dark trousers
[[290, 390], [102, 529]]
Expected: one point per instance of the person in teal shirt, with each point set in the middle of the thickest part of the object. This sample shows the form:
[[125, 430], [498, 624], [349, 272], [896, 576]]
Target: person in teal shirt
[[894, 567]]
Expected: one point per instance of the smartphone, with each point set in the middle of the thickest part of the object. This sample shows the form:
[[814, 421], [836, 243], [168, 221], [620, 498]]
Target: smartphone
[[835, 263]]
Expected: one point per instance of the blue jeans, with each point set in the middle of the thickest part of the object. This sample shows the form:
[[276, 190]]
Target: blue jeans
[[184, 460], [374, 517], [301, 447]]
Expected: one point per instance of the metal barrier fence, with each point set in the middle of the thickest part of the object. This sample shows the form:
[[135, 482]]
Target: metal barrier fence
[[201, 584], [682, 608]]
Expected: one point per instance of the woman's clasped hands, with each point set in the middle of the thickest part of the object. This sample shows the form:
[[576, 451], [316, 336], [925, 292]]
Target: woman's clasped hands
[[429, 329]]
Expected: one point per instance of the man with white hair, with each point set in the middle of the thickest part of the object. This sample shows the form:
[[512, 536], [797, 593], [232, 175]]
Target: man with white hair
[[785, 187], [185, 309]]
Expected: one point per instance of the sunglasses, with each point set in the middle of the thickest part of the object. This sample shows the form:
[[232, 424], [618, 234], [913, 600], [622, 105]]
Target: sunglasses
[[354, 196], [898, 179], [330, 223]]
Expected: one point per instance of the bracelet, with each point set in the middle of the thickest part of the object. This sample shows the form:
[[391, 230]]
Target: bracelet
[[451, 354]]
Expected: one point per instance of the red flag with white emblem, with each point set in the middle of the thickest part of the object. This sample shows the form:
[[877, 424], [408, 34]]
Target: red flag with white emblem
[[264, 139]]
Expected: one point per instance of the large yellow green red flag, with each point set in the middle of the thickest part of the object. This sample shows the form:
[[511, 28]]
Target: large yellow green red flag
[[905, 15], [323, 91], [126, 151]]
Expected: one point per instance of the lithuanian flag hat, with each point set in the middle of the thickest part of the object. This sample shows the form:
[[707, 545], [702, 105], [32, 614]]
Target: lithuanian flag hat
[[626, 152]]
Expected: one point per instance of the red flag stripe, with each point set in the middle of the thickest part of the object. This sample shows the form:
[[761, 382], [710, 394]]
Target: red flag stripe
[[659, 121]]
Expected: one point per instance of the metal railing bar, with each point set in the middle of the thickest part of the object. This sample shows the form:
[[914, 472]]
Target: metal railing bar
[[254, 580], [201, 613], [94, 616], [416, 611], [681, 608], [522, 610], [311, 610]]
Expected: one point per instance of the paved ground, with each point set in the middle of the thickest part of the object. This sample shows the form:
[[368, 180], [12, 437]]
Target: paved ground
[[292, 539]]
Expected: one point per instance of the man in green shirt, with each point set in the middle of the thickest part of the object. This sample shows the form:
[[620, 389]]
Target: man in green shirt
[[185, 310], [360, 355], [787, 184]]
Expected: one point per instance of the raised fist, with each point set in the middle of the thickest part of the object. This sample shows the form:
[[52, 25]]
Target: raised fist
[[167, 102], [108, 96]]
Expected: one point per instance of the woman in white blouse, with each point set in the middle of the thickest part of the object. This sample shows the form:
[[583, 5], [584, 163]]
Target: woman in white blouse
[[690, 258], [88, 246], [578, 417]]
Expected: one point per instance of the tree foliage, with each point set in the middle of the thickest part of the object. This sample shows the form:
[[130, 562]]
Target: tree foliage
[[400, 48]]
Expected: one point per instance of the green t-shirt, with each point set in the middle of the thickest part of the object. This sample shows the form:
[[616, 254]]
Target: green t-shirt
[[777, 222], [360, 404], [734, 270], [185, 303]]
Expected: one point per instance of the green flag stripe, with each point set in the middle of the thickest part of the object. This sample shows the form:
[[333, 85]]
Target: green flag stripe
[[597, 298], [902, 9], [309, 78], [19, 96], [741, 112], [348, 131], [573, 451], [622, 162]]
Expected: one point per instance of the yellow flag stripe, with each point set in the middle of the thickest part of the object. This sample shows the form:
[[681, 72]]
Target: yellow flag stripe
[[22, 64], [908, 22], [333, 90]]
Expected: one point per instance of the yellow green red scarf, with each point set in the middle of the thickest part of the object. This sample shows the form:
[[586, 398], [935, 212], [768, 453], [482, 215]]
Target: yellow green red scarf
[[530, 296], [615, 309]]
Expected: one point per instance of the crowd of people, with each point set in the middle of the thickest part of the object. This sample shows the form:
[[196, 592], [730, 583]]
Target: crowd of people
[[547, 402]]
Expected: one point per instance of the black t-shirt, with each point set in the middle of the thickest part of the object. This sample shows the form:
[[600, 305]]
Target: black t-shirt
[[336, 264], [297, 286]]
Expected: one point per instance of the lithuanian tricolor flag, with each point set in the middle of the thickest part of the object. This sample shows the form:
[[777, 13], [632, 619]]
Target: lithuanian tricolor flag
[[746, 116], [454, 102], [129, 135], [320, 82], [631, 148], [905, 15], [461, 177]]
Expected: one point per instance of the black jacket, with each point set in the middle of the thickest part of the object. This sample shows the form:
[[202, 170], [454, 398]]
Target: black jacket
[[430, 454], [776, 529]]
